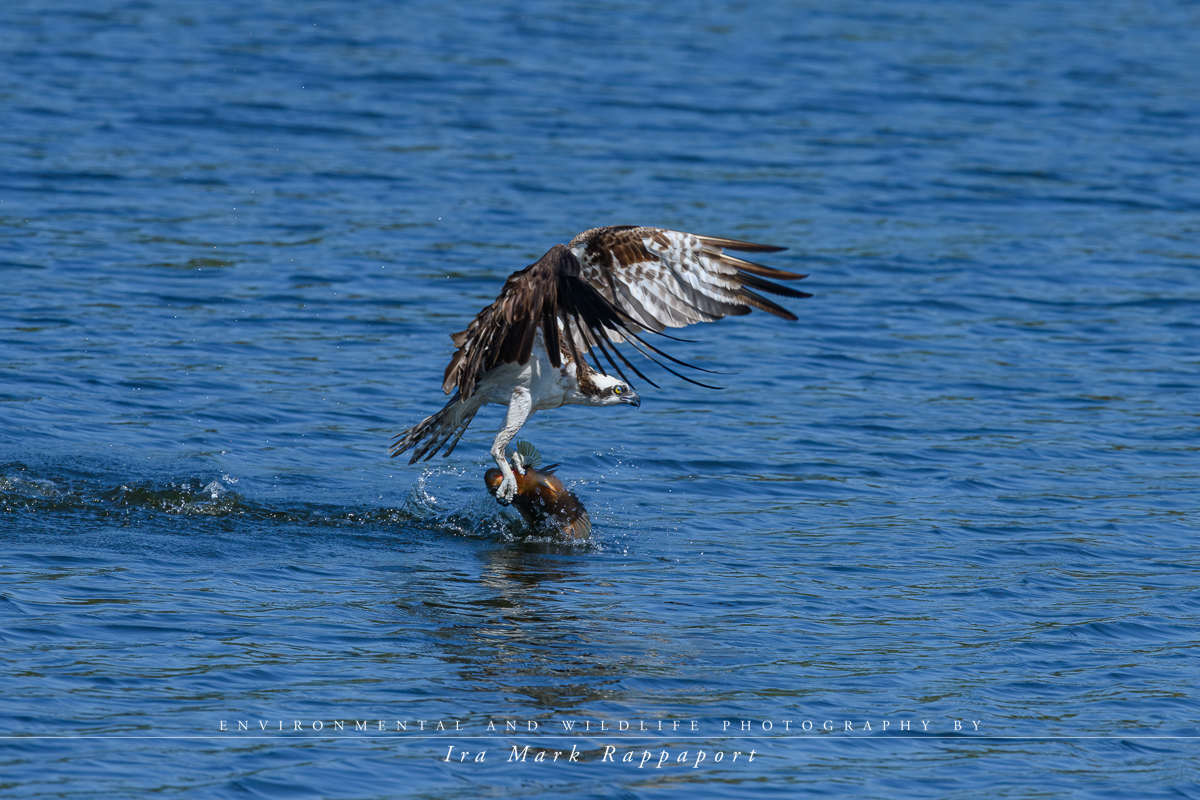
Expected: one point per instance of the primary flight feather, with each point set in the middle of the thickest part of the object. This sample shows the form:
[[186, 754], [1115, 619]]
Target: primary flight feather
[[607, 287]]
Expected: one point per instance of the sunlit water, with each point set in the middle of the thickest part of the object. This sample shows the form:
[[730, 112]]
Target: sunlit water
[[235, 236]]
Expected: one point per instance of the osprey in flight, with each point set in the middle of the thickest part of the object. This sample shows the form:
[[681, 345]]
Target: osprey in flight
[[609, 285]]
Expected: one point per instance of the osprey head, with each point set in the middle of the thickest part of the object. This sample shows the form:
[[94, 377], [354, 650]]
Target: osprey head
[[605, 390]]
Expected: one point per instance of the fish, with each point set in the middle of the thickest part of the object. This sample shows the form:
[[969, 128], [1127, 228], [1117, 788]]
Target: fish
[[546, 505]]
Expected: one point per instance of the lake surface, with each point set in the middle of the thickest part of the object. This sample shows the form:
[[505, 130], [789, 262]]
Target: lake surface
[[956, 501]]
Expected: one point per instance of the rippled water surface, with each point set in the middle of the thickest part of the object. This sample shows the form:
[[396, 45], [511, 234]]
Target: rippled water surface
[[960, 491]]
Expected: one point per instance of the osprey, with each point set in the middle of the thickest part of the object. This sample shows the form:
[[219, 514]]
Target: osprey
[[608, 286]]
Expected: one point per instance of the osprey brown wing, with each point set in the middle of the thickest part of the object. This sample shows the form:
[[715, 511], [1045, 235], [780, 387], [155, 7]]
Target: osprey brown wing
[[607, 287], [540, 296]]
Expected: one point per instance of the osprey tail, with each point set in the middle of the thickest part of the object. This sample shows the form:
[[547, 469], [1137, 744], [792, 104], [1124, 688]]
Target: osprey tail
[[430, 434]]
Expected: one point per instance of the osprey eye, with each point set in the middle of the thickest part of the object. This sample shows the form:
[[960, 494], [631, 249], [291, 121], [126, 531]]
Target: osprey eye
[[617, 390]]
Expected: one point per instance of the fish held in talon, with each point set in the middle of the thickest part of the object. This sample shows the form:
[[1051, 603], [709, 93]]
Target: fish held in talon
[[615, 285], [546, 505]]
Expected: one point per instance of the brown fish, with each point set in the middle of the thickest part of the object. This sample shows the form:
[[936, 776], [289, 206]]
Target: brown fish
[[542, 499]]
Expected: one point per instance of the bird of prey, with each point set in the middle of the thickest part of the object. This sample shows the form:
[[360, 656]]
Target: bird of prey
[[607, 287]]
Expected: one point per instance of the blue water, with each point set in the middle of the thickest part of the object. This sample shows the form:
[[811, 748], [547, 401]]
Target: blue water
[[961, 489]]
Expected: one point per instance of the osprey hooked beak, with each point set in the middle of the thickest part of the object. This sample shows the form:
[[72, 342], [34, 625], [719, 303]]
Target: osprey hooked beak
[[632, 398]]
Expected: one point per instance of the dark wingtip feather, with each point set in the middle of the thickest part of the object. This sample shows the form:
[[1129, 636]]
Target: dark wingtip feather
[[756, 282], [738, 244], [751, 247], [763, 304], [761, 271]]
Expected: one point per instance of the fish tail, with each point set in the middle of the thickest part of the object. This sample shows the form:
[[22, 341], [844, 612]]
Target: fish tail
[[580, 527]]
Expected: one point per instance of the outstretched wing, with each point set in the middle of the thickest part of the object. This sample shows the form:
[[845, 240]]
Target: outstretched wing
[[667, 279], [609, 286]]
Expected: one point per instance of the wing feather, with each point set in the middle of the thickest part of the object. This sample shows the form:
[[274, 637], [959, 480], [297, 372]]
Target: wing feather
[[668, 279], [609, 286], [737, 244]]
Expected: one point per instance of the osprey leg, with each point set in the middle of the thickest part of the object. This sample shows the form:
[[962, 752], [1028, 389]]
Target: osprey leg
[[520, 406]]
